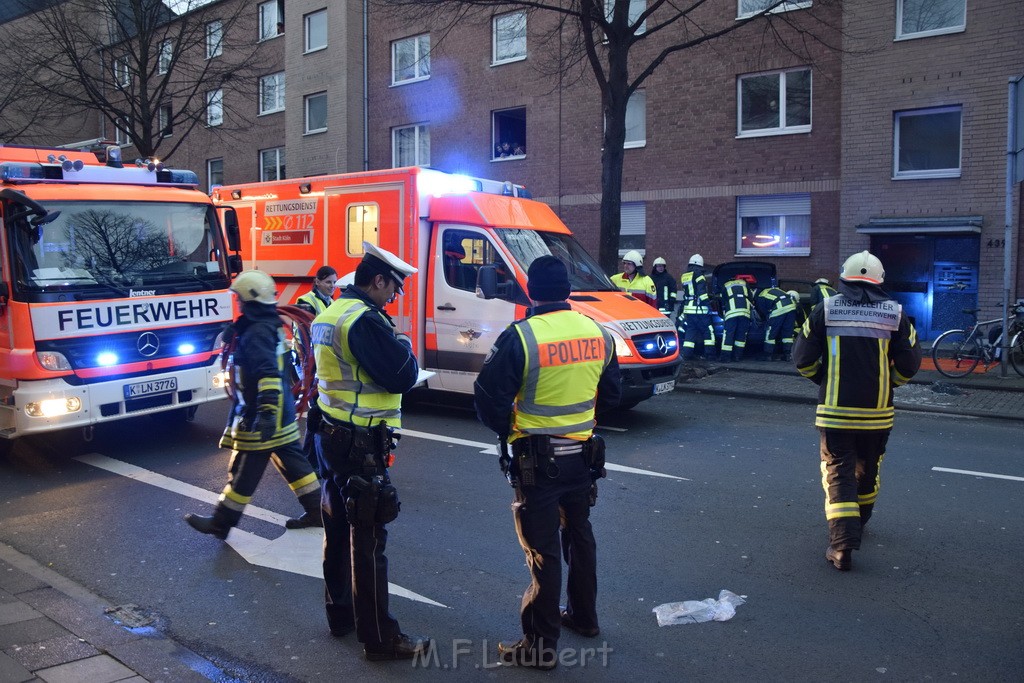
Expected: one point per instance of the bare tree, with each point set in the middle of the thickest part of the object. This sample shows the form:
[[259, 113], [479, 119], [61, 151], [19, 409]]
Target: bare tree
[[623, 43], [144, 67]]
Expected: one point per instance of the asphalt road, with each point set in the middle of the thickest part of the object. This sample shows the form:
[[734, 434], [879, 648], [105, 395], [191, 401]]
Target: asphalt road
[[934, 594]]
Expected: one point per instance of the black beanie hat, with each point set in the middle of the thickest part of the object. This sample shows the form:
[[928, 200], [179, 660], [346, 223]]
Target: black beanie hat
[[547, 280]]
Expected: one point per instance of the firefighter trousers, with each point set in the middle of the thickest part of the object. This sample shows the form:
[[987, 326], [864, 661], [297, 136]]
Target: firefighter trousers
[[850, 464], [246, 469]]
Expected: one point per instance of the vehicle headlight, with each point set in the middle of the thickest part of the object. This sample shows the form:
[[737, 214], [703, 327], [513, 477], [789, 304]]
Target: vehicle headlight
[[52, 360], [622, 349]]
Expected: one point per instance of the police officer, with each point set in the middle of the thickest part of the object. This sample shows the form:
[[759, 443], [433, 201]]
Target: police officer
[[363, 368], [697, 323], [539, 388], [665, 286], [736, 318], [856, 346], [317, 299], [778, 309], [632, 279], [262, 418], [822, 290]]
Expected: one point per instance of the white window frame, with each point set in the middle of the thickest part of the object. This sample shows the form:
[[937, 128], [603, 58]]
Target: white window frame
[[787, 6], [781, 206], [900, 35], [210, 185], [421, 59], [782, 128], [636, 8], [306, 22], [279, 163], [214, 107], [121, 136], [214, 39], [421, 137], [637, 99], [164, 118], [271, 19], [897, 174], [163, 61], [513, 31], [495, 134], [279, 85], [122, 73], [305, 112], [633, 224]]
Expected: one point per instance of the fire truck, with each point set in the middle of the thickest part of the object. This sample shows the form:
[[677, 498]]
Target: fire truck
[[113, 291], [472, 240]]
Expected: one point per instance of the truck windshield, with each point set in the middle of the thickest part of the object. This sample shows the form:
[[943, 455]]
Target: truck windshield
[[584, 273], [117, 246]]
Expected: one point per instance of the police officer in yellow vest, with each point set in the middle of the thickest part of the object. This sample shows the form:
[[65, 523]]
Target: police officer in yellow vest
[[363, 369], [321, 295], [539, 389]]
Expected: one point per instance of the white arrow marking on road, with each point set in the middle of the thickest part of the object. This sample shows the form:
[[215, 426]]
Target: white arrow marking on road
[[299, 551], [978, 474], [492, 449]]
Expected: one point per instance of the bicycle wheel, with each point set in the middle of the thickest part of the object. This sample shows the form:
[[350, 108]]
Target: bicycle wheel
[[1017, 353], [955, 353]]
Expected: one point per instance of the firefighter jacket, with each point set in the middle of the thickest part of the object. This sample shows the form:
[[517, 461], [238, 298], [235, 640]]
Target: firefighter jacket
[[820, 292], [260, 381], [857, 346], [314, 302], [641, 286], [696, 300], [548, 374], [665, 287], [737, 300], [362, 367], [773, 302]]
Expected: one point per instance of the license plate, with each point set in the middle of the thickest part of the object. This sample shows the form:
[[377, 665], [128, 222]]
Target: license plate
[[153, 386], [664, 387]]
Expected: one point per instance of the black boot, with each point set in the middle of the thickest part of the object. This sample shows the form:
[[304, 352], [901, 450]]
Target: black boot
[[208, 525], [307, 519]]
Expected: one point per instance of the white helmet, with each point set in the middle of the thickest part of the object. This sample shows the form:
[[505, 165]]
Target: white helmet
[[822, 281], [659, 261], [794, 295], [863, 267], [255, 285], [634, 257], [697, 260]]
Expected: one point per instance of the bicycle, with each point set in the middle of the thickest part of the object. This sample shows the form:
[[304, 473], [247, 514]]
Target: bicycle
[[956, 353]]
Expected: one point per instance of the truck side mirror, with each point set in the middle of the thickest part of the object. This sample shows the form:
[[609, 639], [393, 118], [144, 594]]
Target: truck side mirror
[[487, 282], [231, 230]]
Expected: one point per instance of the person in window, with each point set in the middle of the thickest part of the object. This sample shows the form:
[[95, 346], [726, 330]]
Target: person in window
[[506, 149], [518, 150]]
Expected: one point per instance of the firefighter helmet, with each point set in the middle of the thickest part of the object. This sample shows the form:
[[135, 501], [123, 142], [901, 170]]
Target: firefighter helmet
[[822, 281], [697, 260], [794, 295], [863, 267], [659, 261], [634, 257], [255, 285]]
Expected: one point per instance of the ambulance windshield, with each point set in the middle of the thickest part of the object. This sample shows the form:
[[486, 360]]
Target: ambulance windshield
[[118, 247], [584, 273]]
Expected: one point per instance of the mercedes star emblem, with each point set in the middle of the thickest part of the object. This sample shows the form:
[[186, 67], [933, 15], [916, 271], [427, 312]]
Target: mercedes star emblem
[[662, 344], [148, 344]]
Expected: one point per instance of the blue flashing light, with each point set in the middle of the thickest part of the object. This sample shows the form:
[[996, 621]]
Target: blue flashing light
[[12, 171], [106, 359], [186, 349], [178, 177]]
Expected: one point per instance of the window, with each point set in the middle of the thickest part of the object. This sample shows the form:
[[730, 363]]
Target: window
[[214, 173], [165, 120], [122, 74], [316, 112], [272, 164], [215, 107], [271, 19], [508, 131], [164, 59], [636, 8], [927, 143], [508, 37], [272, 93], [410, 59], [410, 146], [774, 224], [462, 254], [636, 120], [633, 234], [121, 132], [749, 8], [316, 30], [214, 39], [363, 226], [922, 18], [775, 103]]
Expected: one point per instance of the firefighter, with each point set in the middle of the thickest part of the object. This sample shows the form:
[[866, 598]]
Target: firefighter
[[778, 309], [665, 287], [736, 317], [539, 389], [822, 290], [262, 422], [856, 346], [317, 299], [633, 281], [697, 324], [363, 368]]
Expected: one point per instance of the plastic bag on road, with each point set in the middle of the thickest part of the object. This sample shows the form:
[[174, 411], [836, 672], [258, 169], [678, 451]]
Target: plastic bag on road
[[697, 611]]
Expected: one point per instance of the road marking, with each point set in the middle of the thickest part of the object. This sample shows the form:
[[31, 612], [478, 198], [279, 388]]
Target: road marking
[[299, 551], [492, 449], [978, 474]]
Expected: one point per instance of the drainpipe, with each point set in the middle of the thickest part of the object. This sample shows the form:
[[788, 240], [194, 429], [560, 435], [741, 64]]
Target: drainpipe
[[366, 96], [1011, 180]]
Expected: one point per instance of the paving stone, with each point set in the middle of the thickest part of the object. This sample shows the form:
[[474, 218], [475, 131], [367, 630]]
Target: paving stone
[[47, 653], [13, 672], [13, 612], [14, 580], [98, 669], [84, 621], [162, 659], [28, 632]]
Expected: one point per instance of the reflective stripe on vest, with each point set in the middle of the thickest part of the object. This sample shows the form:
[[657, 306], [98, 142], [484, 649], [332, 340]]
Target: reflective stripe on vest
[[566, 352], [691, 304], [737, 300], [347, 393], [313, 300], [640, 285]]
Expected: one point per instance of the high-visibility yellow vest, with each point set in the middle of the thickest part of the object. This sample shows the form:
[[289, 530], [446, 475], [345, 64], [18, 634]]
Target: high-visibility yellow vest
[[737, 299], [566, 352], [347, 392], [311, 299], [640, 285], [693, 303]]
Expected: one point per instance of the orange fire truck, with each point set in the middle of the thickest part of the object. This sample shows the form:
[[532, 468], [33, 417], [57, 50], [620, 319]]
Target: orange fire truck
[[472, 240], [113, 291]]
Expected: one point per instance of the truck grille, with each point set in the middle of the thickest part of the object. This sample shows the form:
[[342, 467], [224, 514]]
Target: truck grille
[[656, 345], [134, 347]]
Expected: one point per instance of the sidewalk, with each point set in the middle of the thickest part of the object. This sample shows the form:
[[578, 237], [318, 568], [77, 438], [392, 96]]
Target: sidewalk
[[977, 395]]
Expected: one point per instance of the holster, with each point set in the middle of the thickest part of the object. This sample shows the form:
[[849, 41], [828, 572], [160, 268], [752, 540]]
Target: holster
[[377, 442], [370, 502], [593, 455]]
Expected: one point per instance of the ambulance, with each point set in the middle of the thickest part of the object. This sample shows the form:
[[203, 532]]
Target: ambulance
[[471, 239], [113, 291]]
